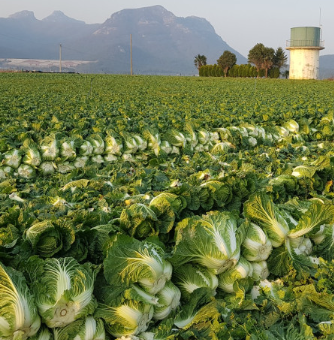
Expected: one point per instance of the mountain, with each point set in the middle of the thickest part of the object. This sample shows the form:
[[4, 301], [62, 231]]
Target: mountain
[[59, 17], [162, 43], [326, 66], [24, 37]]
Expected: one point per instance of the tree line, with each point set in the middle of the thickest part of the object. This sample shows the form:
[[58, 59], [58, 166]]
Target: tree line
[[263, 62]]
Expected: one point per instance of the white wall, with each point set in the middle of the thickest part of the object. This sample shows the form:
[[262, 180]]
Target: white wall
[[304, 64]]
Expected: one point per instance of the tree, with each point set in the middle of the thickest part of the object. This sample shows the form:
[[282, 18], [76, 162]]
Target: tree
[[268, 59], [199, 61], [255, 57], [262, 57], [226, 61], [280, 58]]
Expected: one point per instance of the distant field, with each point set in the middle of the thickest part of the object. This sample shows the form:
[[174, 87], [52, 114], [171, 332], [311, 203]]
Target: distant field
[[39, 64], [162, 101]]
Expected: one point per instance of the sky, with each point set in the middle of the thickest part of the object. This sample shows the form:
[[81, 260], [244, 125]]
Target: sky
[[241, 23]]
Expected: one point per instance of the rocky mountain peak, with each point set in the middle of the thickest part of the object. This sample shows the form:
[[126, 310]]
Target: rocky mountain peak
[[23, 15], [60, 17]]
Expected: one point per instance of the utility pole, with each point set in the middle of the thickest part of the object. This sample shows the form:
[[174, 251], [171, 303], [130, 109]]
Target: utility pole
[[131, 72], [59, 58]]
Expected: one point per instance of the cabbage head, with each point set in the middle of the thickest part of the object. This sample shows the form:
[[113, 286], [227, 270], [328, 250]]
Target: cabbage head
[[131, 261], [153, 140], [261, 210], [168, 300], [63, 289], [122, 315], [190, 277], [212, 241], [6, 171], [26, 171], [31, 154], [292, 126], [12, 158], [227, 279], [44, 333], [50, 147], [175, 138], [220, 192], [97, 143], [256, 246], [138, 221], [167, 207], [113, 145], [68, 148], [19, 317], [87, 328], [47, 238]]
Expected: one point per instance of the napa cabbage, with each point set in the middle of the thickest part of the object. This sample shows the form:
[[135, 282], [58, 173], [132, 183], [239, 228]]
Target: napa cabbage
[[6, 171], [80, 162], [190, 277], [44, 333], [138, 220], [282, 131], [97, 159], [141, 142], [256, 246], [109, 157], [310, 222], [123, 316], [63, 289], [190, 134], [260, 209], [12, 158], [68, 148], [212, 241], [26, 171], [304, 171], [222, 148], [47, 168], [260, 270], [166, 147], [65, 167], [219, 192], [32, 155], [167, 207], [175, 138], [47, 238], [50, 147], [199, 310], [242, 270], [153, 140], [131, 261], [292, 126], [19, 317], [87, 328], [130, 144], [86, 148], [203, 136], [168, 300], [97, 143]]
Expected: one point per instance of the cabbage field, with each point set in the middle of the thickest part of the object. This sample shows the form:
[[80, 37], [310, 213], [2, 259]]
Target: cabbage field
[[160, 208]]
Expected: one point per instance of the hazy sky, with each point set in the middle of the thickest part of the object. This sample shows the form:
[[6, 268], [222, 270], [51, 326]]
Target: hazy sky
[[241, 23]]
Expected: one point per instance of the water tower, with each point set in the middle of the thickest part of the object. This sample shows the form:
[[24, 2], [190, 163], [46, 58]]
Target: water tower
[[304, 46]]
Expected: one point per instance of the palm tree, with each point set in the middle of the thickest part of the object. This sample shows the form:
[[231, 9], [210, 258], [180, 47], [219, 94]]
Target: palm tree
[[199, 61]]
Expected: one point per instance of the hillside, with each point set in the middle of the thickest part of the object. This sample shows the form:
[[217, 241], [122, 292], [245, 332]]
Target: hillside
[[327, 66]]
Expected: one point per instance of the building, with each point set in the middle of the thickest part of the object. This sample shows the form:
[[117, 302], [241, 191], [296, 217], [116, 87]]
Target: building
[[304, 45]]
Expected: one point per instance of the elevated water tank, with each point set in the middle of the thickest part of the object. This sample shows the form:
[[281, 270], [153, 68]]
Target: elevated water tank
[[304, 45]]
